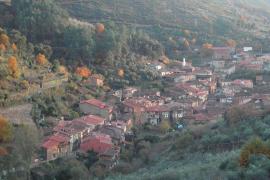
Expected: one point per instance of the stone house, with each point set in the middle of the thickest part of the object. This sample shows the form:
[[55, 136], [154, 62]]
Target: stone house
[[55, 146]]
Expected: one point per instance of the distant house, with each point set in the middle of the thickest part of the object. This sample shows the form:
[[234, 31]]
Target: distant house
[[218, 64], [156, 65], [97, 142], [222, 53], [167, 112], [122, 124], [96, 107], [109, 158], [117, 134], [55, 146], [243, 83]]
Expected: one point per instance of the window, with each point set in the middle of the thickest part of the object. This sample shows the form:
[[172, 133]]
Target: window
[[166, 115]]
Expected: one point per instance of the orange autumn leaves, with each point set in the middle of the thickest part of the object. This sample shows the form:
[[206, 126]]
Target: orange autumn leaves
[[100, 28], [5, 134], [4, 39], [13, 67], [5, 130], [5, 43], [83, 72], [41, 59]]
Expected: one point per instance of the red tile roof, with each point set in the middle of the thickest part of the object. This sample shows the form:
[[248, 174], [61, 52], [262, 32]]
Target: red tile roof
[[97, 142], [91, 120], [96, 102], [54, 141]]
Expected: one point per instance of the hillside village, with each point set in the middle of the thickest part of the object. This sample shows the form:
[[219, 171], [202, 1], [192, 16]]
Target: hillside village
[[108, 90], [194, 96]]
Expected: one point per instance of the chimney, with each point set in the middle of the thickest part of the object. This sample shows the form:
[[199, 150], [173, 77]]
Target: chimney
[[184, 62]]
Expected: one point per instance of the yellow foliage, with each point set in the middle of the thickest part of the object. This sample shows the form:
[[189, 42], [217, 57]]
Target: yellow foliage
[[84, 72], [62, 70], [41, 59], [4, 39], [164, 126], [120, 72], [231, 43], [5, 130], [165, 60], [255, 146], [207, 46], [186, 44], [25, 84]]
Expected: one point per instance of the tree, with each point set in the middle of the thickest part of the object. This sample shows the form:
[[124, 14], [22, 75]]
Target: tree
[[91, 158], [39, 20], [13, 66], [41, 59], [231, 43], [84, 72], [206, 50], [254, 146], [165, 60], [26, 138], [100, 28], [164, 126], [14, 47], [63, 70], [186, 44], [2, 47], [121, 73], [4, 39], [3, 151], [5, 130]]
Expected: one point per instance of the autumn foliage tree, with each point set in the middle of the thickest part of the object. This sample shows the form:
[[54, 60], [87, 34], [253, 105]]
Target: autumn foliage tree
[[255, 147], [62, 70], [2, 47], [41, 59], [14, 47], [5, 130], [13, 66], [237, 114], [186, 44], [100, 28], [3, 151], [231, 43], [206, 49], [84, 72], [164, 126], [120, 72], [4, 39]]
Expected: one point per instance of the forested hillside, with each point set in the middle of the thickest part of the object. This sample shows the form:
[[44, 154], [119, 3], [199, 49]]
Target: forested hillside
[[174, 21]]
